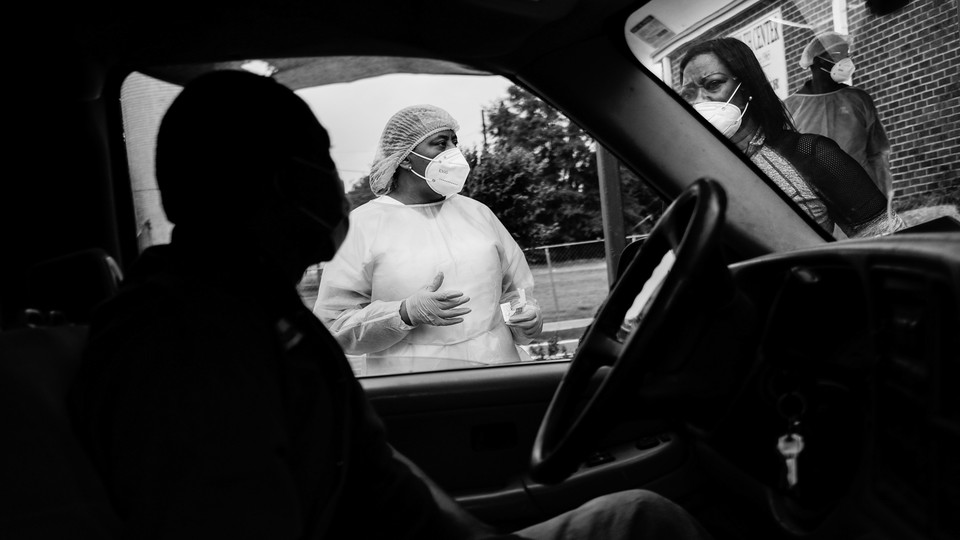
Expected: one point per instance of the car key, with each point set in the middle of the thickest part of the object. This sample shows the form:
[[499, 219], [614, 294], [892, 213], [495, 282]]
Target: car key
[[790, 446]]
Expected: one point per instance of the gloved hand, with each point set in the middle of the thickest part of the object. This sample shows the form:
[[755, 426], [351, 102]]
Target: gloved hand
[[529, 322], [430, 306]]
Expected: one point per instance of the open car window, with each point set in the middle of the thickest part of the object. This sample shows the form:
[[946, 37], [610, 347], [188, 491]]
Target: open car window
[[535, 170], [863, 148], [878, 87]]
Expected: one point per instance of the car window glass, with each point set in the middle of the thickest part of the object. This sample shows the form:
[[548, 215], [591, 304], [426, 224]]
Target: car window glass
[[879, 86], [534, 169]]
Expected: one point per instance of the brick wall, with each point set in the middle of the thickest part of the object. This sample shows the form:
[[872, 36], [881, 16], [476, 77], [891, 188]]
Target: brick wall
[[909, 62]]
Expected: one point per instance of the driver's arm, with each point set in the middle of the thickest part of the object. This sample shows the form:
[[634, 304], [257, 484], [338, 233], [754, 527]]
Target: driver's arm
[[468, 523]]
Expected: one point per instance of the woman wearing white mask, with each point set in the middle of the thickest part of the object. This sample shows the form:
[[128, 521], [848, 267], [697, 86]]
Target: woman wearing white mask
[[723, 80], [419, 280]]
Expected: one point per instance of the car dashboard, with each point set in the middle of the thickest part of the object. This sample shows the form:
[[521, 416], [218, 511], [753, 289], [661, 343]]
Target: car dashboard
[[856, 352]]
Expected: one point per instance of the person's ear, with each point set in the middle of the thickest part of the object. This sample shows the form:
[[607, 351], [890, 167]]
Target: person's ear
[[406, 164]]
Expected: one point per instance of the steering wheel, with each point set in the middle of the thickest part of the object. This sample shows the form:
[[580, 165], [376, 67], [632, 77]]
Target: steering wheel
[[677, 270]]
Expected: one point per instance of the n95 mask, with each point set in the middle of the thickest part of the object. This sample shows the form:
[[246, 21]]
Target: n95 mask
[[842, 70], [447, 173], [724, 116]]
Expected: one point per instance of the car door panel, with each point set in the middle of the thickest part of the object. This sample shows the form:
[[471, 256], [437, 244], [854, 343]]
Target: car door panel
[[472, 431]]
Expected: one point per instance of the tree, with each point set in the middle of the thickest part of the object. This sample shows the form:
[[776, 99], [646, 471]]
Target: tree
[[642, 206], [539, 175], [502, 181]]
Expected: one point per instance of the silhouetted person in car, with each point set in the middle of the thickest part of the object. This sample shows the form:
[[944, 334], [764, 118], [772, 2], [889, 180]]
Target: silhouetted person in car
[[212, 401]]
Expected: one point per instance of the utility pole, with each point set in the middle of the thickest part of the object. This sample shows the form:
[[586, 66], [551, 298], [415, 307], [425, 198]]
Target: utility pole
[[483, 123], [611, 210]]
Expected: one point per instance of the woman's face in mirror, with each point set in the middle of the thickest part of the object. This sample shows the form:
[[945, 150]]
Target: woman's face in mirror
[[707, 78]]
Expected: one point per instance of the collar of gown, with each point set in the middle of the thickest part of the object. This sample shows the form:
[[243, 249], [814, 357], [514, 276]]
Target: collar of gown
[[387, 199]]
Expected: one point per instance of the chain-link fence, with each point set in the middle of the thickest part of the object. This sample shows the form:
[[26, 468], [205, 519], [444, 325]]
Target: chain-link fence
[[570, 279]]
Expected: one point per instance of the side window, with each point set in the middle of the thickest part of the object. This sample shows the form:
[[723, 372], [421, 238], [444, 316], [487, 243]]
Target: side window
[[530, 217], [536, 172], [824, 97], [143, 101]]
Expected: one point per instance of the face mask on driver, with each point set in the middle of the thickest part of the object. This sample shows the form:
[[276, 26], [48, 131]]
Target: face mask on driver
[[726, 117], [314, 192], [842, 70], [447, 173]]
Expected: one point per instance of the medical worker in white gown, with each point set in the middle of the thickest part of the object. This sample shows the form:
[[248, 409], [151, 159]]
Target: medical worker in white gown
[[418, 282]]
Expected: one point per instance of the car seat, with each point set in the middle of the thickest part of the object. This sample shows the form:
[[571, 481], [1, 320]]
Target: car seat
[[68, 288], [49, 487]]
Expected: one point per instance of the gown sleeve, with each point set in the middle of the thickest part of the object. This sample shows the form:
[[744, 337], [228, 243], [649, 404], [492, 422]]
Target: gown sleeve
[[515, 274], [514, 270], [878, 149], [344, 303]]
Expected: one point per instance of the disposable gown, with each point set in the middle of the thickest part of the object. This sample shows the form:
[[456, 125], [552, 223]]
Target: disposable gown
[[849, 117], [393, 249]]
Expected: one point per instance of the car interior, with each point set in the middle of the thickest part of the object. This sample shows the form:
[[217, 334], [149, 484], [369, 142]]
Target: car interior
[[762, 325]]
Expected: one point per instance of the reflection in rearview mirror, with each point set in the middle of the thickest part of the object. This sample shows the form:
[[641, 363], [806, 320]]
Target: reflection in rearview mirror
[[844, 76]]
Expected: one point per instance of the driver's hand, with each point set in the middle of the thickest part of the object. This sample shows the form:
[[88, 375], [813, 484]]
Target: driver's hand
[[434, 307]]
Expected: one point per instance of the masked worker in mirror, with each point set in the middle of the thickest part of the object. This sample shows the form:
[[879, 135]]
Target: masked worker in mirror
[[420, 280], [826, 105]]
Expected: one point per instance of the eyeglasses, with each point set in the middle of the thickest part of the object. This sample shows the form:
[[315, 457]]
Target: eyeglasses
[[711, 83]]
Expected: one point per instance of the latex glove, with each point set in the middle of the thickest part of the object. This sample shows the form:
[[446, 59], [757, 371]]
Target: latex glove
[[433, 307], [529, 322]]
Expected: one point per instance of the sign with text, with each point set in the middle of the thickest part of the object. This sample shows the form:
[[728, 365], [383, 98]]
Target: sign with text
[[765, 37]]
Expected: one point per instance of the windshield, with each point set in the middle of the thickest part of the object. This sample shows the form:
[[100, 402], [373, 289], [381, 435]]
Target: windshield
[[514, 237], [846, 108]]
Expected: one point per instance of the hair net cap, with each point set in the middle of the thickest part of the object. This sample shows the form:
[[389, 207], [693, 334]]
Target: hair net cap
[[403, 132], [825, 42]]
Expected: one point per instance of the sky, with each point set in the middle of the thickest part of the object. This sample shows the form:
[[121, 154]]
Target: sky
[[355, 113]]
